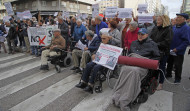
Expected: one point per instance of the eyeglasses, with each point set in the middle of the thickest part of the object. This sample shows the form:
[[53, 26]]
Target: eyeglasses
[[141, 34]]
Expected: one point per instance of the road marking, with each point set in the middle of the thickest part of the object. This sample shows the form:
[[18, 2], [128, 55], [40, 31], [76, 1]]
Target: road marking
[[7, 64], [18, 70], [11, 56], [96, 101], [43, 98], [18, 85], [159, 101]]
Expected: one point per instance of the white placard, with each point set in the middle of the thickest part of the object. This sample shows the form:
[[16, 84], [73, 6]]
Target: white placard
[[142, 8], [84, 15], [145, 18], [125, 12], [111, 12], [9, 8], [55, 14], [107, 55], [65, 14], [24, 15], [95, 10], [6, 18], [41, 36]]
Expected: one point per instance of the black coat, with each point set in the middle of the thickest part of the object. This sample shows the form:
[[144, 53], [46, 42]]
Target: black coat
[[162, 36], [146, 48], [12, 34], [64, 30]]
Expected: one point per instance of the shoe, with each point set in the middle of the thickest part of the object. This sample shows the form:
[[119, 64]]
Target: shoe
[[89, 89], [81, 85], [44, 67], [78, 70], [74, 68], [177, 81]]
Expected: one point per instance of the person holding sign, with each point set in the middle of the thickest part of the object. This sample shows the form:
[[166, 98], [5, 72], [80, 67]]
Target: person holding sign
[[127, 87], [57, 42], [91, 46], [87, 82]]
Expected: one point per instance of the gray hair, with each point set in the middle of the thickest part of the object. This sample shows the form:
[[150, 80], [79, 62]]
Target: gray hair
[[79, 20], [60, 18], [56, 30], [134, 24], [89, 33], [99, 18], [104, 31]]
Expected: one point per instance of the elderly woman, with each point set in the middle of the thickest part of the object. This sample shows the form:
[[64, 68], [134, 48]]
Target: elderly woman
[[79, 31], [162, 34], [114, 34], [57, 42], [128, 84], [91, 45], [131, 35]]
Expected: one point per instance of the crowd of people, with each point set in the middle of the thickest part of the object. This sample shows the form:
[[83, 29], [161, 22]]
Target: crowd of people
[[165, 40]]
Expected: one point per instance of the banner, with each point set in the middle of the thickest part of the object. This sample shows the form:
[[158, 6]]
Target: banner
[[6, 18], [107, 55], [65, 14], [24, 15], [95, 10], [40, 36], [9, 8], [125, 12], [145, 18], [111, 12], [84, 15], [142, 8]]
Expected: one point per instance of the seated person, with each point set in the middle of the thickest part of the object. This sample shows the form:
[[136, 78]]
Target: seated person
[[57, 42], [88, 83], [127, 87], [92, 45]]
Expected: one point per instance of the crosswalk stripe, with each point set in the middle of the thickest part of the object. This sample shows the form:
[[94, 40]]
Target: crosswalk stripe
[[18, 70], [96, 101], [12, 56], [16, 61], [48, 95], [159, 101], [18, 85]]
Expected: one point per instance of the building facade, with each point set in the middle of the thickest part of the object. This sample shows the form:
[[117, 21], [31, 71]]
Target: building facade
[[108, 3], [185, 6]]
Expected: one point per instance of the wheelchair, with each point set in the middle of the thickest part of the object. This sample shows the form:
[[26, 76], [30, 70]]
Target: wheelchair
[[62, 60]]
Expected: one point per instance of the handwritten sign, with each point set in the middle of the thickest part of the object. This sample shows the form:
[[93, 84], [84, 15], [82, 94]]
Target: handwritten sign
[[145, 18], [125, 12], [111, 12], [95, 10], [24, 15], [142, 8], [9, 8]]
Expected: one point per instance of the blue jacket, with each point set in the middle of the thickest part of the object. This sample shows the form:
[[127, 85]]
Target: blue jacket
[[79, 32], [93, 45], [180, 39], [99, 27]]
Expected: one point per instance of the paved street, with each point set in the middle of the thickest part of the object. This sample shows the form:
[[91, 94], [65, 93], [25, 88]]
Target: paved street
[[23, 87]]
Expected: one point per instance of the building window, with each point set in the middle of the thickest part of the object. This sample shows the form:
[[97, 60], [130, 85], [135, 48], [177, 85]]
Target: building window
[[54, 3], [34, 4], [43, 3], [71, 5], [26, 5], [63, 3], [88, 7]]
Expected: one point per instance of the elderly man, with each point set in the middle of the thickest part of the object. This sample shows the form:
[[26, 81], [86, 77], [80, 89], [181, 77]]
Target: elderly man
[[64, 28], [93, 26], [79, 31], [73, 24], [57, 42], [131, 35], [91, 45], [99, 25], [178, 46], [128, 84]]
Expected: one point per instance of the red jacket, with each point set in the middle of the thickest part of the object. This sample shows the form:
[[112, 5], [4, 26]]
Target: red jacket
[[130, 37]]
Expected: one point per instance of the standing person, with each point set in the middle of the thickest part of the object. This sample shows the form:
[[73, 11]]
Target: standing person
[[2, 37], [162, 34], [64, 29], [12, 34], [92, 25], [25, 34], [131, 35], [73, 24], [178, 46], [20, 35], [99, 25]]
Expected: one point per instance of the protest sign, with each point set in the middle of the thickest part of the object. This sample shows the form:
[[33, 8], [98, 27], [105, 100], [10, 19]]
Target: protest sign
[[142, 8], [84, 16], [24, 15], [125, 12], [55, 14], [9, 8], [111, 12], [145, 18], [6, 18], [65, 14], [107, 55], [40, 36], [80, 45], [95, 10]]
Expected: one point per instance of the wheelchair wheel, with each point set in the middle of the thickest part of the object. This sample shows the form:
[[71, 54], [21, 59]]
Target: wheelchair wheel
[[67, 61], [58, 68], [152, 85]]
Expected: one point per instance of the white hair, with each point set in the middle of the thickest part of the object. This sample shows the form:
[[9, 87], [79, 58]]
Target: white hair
[[134, 24], [79, 20]]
